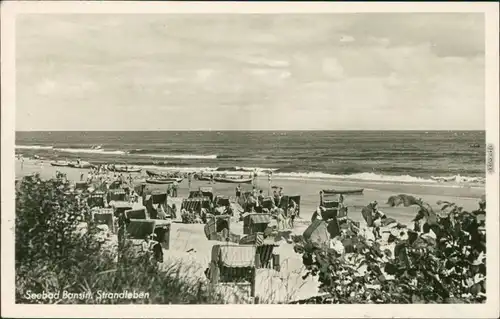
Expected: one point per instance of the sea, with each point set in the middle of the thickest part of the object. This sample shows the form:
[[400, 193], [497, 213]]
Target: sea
[[380, 156]]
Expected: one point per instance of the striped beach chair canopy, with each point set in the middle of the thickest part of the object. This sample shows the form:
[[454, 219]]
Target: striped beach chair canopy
[[206, 189], [256, 239], [203, 192], [259, 218], [237, 256], [196, 203], [120, 204], [117, 191]]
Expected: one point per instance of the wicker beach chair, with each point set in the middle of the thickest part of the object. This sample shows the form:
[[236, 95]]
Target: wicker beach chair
[[233, 265]]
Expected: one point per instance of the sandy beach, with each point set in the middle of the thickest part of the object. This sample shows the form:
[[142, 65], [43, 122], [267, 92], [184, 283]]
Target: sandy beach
[[288, 283]]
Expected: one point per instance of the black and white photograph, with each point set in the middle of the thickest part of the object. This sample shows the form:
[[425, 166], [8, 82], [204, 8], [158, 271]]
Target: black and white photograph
[[169, 156]]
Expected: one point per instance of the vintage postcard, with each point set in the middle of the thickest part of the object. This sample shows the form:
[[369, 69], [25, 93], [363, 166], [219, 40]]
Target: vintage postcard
[[160, 158]]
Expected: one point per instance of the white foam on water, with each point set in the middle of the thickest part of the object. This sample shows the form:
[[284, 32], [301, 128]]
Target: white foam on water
[[180, 156], [33, 147]]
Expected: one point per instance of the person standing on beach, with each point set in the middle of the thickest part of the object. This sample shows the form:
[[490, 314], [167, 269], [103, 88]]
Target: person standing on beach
[[189, 180], [292, 211], [238, 191], [81, 177], [280, 196], [368, 212], [254, 177], [261, 197], [174, 189]]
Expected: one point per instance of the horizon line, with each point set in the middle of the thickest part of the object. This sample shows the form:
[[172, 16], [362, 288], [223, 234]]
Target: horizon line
[[255, 130]]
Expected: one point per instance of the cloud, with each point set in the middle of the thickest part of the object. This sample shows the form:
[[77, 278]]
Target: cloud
[[347, 38], [312, 70]]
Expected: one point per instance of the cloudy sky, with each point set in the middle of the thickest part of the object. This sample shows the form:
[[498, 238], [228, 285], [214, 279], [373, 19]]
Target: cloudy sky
[[328, 71]]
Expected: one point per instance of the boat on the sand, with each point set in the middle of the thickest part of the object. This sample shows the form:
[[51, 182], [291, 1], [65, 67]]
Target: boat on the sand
[[233, 180], [60, 163], [155, 174], [163, 180], [353, 191], [129, 170], [203, 178], [124, 169], [80, 164], [444, 179]]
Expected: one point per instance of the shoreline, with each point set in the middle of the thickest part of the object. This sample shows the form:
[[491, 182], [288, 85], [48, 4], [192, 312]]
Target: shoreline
[[211, 163], [307, 188]]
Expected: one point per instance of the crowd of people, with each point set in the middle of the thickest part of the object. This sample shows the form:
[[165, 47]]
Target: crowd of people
[[257, 202]]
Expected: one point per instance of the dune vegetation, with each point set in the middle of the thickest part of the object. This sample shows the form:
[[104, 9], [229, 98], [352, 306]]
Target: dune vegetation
[[443, 263], [53, 255]]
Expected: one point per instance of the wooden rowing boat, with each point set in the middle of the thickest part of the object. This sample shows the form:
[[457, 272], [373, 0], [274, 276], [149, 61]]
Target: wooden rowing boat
[[233, 180], [163, 180], [60, 163], [354, 191]]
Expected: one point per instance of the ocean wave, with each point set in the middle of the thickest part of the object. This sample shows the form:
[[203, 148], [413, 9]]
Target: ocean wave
[[369, 177], [180, 156], [458, 179], [358, 176], [245, 169], [89, 151], [137, 152], [378, 177], [33, 147]]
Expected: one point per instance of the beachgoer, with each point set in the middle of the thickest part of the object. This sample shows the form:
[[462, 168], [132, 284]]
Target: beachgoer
[[251, 203], [281, 219], [174, 189], [212, 178], [260, 197], [292, 211], [378, 217], [146, 243], [254, 192], [367, 213], [276, 197], [203, 214], [229, 211], [174, 211], [189, 180], [238, 191], [184, 215], [482, 208], [161, 212], [373, 217], [254, 177], [81, 177], [317, 215], [280, 196]]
